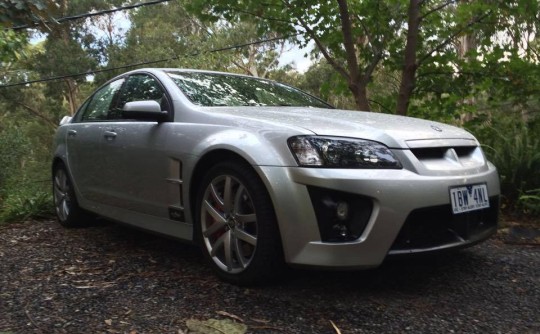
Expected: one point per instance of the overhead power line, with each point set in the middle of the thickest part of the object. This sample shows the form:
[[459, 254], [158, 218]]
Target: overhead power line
[[150, 62], [86, 15]]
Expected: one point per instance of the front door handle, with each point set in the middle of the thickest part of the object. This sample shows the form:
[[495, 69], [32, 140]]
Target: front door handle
[[72, 133]]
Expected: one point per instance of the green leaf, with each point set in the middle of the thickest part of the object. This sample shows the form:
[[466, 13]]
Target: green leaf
[[214, 326]]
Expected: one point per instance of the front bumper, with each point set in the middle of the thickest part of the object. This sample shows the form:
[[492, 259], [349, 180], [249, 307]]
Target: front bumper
[[397, 196]]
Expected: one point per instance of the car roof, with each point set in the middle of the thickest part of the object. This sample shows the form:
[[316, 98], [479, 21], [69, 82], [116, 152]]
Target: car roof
[[188, 70]]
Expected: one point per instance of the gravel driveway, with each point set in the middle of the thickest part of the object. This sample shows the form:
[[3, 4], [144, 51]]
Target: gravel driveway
[[111, 279]]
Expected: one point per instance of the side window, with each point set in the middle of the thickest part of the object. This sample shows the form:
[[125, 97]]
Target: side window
[[98, 107], [140, 87], [80, 112]]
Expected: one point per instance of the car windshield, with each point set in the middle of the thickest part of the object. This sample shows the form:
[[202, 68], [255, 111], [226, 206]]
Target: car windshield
[[215, 89]]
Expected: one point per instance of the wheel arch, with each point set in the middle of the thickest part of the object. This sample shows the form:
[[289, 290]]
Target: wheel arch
[[57, 161], [201, 168]]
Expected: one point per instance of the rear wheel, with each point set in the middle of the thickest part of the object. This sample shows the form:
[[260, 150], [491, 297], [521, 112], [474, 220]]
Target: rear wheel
[[68, 212], [236, 225]]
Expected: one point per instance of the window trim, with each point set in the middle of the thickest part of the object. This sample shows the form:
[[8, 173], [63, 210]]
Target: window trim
[[77, 118], [170, 113]]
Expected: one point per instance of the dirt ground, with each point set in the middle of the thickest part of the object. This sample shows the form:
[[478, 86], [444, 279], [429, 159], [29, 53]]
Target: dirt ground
[[109, 278]]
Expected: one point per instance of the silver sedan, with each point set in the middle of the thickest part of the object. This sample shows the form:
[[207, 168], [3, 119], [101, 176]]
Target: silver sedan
[[263, 176]]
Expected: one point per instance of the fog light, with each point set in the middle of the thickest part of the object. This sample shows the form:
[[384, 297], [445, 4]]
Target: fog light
[[341, 217], [342, 211], [341, 230]]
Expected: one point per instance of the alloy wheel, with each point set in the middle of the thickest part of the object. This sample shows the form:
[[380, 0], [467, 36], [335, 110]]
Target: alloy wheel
[[229, 224], [62, 198]]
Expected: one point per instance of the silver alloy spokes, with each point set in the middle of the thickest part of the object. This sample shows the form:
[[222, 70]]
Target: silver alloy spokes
[[229, 223], [62, 201]]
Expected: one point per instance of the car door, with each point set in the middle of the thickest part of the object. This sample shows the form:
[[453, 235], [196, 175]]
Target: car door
[[84, 138], [136, 164]]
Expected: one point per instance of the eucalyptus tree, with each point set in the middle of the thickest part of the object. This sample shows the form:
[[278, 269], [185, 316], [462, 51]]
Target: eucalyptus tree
[[165, 32], [170, 36], [352, 41], [361, 39], [16, 13], [26, 12], [70, 48], [258, 54]]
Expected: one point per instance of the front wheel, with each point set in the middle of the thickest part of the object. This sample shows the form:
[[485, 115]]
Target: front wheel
[[236, 225]]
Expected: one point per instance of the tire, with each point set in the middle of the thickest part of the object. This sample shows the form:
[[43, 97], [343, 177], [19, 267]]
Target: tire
[[236, 226], [68, 212]]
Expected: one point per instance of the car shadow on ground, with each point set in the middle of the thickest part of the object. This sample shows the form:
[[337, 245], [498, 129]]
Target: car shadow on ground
[[402, 274]]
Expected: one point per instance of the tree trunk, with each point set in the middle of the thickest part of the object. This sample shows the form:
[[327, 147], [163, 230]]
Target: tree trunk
[[357, 81], [71, 94], [465, 44], [359, 91], [252, 62], [408, 75], [357, 86]]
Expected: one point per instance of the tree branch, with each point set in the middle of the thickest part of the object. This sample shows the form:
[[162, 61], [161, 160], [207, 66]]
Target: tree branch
[[369, 37], [260, 16], [340, 69], [36, 113], [436, 9], [275, 60], [372, 66], [388, 110], [451, 37], [242, 67], [425, 74]]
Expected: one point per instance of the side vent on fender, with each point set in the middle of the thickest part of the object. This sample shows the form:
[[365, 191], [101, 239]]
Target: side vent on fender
[[176, 190]]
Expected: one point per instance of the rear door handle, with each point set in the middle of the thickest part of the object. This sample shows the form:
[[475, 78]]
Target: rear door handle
[[110, 134], [72, 133]]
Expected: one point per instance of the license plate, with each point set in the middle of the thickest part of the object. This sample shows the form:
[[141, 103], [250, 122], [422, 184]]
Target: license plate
[[469, 198]]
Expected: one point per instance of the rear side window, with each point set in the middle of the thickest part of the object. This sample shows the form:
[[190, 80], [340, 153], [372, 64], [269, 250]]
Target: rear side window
[[100, 103]]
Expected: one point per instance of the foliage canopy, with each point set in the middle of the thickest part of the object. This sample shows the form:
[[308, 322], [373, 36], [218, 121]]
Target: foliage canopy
[[470, 63]]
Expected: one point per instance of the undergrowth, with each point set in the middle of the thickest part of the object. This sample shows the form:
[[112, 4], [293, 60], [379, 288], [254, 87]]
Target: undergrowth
[[26, 203], [25, 186], [513, 146]]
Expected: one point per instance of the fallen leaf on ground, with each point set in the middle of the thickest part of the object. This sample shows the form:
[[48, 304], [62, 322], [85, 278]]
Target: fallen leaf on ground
[[230, 315], [214, 326], [335, 327]]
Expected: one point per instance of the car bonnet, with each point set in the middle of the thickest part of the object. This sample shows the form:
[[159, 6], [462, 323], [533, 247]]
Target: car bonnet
[[391, 130]]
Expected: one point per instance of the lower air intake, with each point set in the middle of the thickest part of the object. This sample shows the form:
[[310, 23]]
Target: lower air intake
[[437, 227]]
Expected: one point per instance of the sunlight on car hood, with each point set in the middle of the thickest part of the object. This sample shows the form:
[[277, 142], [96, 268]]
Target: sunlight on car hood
[[391, 130]]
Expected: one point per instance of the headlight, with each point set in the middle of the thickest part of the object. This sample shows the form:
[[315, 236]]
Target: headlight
[[335, 152]]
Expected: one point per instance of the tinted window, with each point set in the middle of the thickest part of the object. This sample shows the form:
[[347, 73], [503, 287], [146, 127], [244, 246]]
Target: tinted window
[[139, 87], [99, 104], [214, 89]]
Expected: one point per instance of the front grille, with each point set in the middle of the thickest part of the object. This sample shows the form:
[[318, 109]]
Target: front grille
[[427, 153], [434, 227]]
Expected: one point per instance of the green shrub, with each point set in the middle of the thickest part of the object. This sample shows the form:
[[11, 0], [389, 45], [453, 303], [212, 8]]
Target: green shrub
[[513, 147], [529, 202], [25, 203], [25, 189]]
